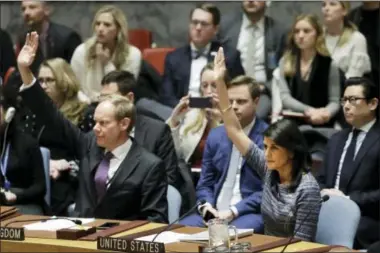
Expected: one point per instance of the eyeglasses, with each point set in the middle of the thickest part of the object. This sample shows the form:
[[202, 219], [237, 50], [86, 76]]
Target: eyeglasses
[[47, 80], [202, 23], [351, 100]]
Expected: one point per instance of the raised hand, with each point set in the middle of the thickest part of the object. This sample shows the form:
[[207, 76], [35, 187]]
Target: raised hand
[[219, 65], [28, 51]]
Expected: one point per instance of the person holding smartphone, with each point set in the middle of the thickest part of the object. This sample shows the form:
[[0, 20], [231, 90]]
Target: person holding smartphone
[[192, 119]]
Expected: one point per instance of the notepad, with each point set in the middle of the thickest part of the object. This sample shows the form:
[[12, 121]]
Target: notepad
[[204, 236]]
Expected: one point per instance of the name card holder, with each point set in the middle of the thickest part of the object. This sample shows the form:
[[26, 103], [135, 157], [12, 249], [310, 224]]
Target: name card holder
[[130, 246], [74, 233], [12, 234]]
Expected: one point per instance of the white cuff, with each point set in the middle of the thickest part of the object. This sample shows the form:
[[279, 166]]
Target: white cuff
[[235, 211], [27, 86]]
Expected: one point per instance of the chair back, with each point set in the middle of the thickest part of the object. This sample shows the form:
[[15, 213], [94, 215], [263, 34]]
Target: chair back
[[338, 221], [140, 38], [156, 57], [46, 161], [174, 203]]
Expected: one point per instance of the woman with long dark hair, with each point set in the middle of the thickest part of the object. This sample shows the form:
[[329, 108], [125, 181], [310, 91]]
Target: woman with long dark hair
[[290, 191]]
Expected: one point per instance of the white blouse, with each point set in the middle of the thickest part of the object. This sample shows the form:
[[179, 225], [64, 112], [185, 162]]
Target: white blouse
[[90, 79], [352, 58]]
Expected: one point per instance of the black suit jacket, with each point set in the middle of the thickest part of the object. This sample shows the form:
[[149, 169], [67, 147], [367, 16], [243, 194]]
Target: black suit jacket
[[7, 54], [154, 135], [361, 182], [178, 67], [61, 42], [138, 189]]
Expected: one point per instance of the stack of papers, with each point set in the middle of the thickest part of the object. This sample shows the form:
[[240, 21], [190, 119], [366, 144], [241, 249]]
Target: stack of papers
[[165, 237], [54, 224], [204, 236]]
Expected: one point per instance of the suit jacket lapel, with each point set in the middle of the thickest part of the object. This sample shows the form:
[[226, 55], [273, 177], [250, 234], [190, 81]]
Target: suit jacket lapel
[[256, 132], [226, 150], [333, 170], [235, 32], [125, 169], [347, 174], [186, 65]]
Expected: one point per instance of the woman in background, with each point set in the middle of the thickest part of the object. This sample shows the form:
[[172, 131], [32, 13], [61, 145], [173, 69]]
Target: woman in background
[[106, 51], [190, 126], [61, 85], [346, 45], [309, 79], [290, 191]]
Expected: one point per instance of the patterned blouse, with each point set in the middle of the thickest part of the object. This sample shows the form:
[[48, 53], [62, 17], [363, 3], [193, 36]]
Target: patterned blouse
[[283, 208]]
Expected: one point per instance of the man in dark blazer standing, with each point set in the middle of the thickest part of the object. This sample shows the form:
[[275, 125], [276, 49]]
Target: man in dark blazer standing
[[118, 179], [55, 40], [260, 40], [183, 66], [351, 166]]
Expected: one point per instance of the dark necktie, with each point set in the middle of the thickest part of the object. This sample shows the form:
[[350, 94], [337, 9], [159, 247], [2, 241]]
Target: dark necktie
[[101, 175], [195, 54], [350, 154]]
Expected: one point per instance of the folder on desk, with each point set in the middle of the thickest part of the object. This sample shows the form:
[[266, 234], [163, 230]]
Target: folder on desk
[[7, 212], [204, 236]]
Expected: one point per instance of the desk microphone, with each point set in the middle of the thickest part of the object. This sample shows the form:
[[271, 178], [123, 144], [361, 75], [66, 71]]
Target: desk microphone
[[77, 222], [323, 199], [199, 203], [7, 119]]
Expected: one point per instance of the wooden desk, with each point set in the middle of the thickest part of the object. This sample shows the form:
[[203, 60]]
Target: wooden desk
[[56, 245]]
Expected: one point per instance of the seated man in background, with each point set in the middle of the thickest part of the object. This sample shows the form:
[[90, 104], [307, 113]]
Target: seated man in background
[[153, 135], [231, 188], [260, 40], [118, 179], [183, 66], [7, 54], [352, 162]]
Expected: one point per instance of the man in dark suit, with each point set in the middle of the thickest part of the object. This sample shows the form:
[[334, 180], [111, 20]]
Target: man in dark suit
[[118, 179], [55, 40], [7, 54], [154, 135], [352, 162], [230, 187], [183, 66], [260, 40]]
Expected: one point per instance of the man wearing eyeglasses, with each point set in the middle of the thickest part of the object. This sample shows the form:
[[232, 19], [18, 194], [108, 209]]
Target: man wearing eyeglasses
[[352, 162], [183, 66]]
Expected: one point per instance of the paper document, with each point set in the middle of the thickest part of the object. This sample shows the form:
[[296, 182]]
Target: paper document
[[55, 224], [165, 237], [204, 236]]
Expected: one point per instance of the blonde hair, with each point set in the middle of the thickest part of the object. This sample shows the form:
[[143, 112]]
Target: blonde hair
[[67, 86], [124, 108], [122, 46], [348, 27], [292, 51], [197, 124]]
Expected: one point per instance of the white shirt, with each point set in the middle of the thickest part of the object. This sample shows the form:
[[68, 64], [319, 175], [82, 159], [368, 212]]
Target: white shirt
[[352, 58], [236, 197], [119, 154], [251, 44], [195, 71], [359, 141]]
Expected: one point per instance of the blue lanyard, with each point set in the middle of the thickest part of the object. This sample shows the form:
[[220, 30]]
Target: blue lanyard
[[4, 166]]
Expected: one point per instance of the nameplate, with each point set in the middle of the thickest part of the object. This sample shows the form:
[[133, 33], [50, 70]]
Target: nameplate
[[135, 246], [12, 234]]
